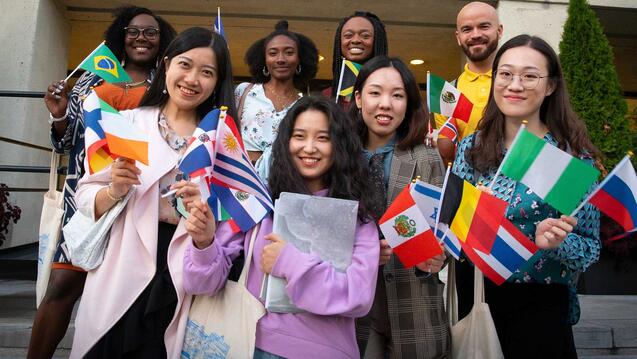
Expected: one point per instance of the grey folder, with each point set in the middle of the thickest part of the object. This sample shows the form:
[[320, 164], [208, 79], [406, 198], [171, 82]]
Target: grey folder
[[321, 225]]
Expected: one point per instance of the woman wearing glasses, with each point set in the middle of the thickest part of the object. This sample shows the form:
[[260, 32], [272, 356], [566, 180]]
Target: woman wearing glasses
[[137, 37], [534, 310]]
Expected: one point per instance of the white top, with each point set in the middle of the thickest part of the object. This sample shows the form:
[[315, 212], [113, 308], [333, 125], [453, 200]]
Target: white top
[[259, 124]]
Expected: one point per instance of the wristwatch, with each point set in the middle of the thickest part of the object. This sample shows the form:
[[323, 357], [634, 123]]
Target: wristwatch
[[55, 119]]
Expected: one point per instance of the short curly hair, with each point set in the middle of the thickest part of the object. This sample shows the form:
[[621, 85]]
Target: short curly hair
[[114, 34], [308, 56]]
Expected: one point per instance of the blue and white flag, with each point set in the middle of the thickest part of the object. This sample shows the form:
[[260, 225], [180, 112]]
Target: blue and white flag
[[218, 25]]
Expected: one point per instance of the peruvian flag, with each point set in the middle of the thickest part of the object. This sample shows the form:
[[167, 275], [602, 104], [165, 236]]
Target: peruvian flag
[[407, 231]]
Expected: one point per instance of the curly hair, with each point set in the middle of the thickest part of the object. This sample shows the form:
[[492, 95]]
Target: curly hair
[[189, 39], [380, 43], [114, 34], [308, 56], [348, 178], [555, 112], [412, 130]]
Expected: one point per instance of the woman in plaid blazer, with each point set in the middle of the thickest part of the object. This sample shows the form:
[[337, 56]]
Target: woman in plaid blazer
[[408, 318]]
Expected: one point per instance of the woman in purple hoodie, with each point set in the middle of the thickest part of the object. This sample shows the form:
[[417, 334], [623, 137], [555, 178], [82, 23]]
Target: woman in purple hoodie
[[314, 153]]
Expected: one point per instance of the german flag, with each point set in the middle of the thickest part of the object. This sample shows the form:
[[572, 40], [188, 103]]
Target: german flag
[[473, 216], [349, 72]]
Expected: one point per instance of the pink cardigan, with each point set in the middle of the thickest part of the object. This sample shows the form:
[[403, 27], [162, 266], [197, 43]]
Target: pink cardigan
[[129, 261]]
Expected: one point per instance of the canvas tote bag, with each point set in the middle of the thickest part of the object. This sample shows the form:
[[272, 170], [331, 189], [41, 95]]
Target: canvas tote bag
[[50, 228], [224, 325], [474, 337]]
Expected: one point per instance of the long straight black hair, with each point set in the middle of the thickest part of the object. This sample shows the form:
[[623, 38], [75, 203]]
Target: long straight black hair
[[189, 39], [412, 130], [348, 178]]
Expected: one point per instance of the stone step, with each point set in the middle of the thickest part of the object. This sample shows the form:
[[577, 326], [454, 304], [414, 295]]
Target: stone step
[[21, 353]]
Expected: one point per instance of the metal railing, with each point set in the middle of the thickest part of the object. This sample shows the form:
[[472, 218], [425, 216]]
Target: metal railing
[[21, 168]]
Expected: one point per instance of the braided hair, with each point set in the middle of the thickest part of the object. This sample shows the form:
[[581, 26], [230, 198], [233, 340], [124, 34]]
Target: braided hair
[[380, 43]]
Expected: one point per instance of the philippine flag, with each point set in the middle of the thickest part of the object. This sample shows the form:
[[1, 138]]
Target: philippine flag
[[98, 155], [510, 250], [616, 196], [408, 232]]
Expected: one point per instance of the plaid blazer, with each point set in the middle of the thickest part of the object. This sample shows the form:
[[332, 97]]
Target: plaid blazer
[[410, 308]]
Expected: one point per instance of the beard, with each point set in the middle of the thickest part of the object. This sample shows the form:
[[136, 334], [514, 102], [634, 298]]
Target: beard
[[482, 55]]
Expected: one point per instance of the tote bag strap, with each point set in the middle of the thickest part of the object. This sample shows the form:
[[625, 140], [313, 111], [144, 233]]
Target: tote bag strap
[[478, 286], [53, 172], [243, 278], [452, 296], [243, 99]]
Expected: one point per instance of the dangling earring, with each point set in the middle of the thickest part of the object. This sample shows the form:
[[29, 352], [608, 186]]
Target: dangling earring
[[298, 69], [265, 71], [164, 91]]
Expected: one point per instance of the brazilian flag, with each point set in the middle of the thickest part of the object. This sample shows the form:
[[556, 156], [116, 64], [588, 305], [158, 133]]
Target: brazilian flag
[[104, 64], [349, 72]]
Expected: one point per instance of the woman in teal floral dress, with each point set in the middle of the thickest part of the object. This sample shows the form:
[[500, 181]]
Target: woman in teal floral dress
[[535, 309]]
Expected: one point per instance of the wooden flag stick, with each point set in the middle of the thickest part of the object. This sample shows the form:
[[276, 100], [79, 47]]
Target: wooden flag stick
[[78, 66]]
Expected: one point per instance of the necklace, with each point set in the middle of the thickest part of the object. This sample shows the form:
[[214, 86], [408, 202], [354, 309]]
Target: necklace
[[280, 101]]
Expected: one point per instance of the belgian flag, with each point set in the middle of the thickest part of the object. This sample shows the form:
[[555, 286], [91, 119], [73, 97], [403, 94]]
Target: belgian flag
[[473, 216], [349, 72]]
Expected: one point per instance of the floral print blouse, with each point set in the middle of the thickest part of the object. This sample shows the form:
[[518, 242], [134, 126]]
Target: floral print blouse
[[259, 124], [561, 265]]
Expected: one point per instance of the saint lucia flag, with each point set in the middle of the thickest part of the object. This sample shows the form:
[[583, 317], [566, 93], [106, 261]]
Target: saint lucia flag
[[104, 64], [408, 232]]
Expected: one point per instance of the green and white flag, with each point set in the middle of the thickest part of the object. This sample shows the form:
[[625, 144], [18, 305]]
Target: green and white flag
[[557, 177]]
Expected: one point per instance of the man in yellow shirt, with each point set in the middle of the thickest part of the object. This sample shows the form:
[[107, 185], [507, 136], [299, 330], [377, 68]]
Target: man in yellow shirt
[[478, 31]]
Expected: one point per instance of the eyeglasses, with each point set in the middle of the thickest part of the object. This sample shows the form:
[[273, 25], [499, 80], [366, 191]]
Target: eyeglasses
[[150, 33], [529, 80]]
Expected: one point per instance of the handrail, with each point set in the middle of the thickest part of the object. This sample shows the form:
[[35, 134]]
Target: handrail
[[25, 144], [29, 94], [31, 169]]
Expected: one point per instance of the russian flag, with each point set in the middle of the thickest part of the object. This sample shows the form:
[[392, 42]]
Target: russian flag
[[408, 232], [98, 155], [510, 250], [616, 196]]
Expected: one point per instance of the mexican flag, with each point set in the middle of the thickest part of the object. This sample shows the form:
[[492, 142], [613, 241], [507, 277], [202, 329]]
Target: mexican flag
[[555, 176], [445, 99], [407, 231]]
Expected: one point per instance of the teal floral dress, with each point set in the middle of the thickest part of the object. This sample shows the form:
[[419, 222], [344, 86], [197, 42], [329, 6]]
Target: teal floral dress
[[560, 265]]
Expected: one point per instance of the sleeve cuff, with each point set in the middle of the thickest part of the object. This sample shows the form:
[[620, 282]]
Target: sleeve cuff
[[290, 257], [202, 257]]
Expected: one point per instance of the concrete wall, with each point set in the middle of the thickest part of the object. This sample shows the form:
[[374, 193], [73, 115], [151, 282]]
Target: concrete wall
[[34, 41]]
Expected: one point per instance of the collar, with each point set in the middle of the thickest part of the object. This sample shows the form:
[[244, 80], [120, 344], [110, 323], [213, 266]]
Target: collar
[[387, 148], [472, 76]]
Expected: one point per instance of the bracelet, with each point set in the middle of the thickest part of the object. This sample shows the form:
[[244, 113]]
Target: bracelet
[[55, 119], [108, 194]]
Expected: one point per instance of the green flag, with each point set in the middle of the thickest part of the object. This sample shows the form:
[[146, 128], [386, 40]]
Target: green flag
[[104, 64], [555, 176]]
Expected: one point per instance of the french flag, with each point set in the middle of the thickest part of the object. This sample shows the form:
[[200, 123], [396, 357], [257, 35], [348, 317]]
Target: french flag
[[510, 250], [408, 232], [616, 196]]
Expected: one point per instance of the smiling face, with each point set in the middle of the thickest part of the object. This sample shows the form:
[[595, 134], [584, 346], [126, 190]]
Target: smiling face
[[141, 50], [191, 78], [514, 100], [357, 39], [281, 57], [383, 103], [311, 148], [478, 31]]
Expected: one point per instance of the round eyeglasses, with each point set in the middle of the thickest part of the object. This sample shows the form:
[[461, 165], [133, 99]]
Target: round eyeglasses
[[529, 80], [150, 33]]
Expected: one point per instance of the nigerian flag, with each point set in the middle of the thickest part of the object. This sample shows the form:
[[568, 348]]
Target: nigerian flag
[[104, 64], [557, 177]]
